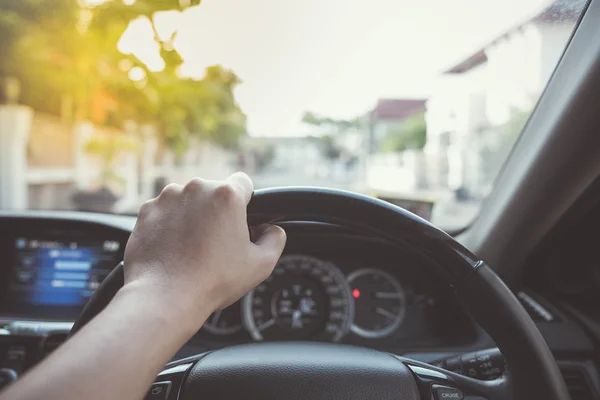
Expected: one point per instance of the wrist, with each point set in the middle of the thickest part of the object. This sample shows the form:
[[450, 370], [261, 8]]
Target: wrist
[[169, 307]]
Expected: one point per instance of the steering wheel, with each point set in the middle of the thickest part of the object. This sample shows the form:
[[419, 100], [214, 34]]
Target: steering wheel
[[331, 371]]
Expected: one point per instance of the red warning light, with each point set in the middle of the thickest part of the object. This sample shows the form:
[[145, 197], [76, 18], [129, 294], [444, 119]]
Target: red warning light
[[356, 293]]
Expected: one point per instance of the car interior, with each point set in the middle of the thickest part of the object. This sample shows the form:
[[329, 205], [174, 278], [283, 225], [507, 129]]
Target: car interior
[[368, 300]]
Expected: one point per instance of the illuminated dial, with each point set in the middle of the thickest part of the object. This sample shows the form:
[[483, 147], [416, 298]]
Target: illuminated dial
[[379, 303], [304, 298]]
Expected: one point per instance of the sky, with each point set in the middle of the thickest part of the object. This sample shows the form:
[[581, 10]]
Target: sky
[[332, 57]]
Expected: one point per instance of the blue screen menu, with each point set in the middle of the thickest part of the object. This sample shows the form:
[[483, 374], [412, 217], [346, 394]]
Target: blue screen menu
[[59, 273]]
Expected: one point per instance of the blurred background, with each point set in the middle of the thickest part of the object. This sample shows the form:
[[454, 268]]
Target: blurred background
[[102, 103]]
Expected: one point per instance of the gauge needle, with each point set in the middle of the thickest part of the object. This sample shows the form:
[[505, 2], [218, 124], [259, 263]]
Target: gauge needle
[[297, 319], [387, 295], [215, 319], [385, 313], [265, 325]]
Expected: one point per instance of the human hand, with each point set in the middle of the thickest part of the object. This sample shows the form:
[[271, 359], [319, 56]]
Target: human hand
[[191, 246]]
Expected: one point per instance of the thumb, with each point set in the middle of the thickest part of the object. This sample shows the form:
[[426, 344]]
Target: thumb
[[270, 241]]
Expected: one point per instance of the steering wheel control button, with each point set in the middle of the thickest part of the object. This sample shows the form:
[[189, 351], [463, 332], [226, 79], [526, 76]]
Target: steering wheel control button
[[446, 393], [159, 391], [485, 364]]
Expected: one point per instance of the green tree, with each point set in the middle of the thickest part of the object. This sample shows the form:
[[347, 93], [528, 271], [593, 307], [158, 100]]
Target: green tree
[[512, 129], [411, 133], [107, 149], [64, 53], [333, 128], [334, 125]]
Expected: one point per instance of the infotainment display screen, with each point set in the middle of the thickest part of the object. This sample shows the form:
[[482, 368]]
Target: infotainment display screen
[[56, 276]]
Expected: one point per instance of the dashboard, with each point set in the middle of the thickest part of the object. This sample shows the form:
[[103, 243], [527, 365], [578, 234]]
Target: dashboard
[[331, 285]]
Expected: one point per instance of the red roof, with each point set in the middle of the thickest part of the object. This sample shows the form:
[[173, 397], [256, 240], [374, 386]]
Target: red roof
[[398, 108]]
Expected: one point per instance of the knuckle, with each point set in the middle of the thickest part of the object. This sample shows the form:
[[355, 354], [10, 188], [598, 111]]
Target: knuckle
[[146, 208], [225, 193], [194, 185], [169, 190]]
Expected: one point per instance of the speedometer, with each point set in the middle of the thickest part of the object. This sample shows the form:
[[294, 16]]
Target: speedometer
[[304, 298]]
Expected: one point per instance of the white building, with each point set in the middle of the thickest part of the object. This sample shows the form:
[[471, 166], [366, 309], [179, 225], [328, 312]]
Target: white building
[[467, 115]]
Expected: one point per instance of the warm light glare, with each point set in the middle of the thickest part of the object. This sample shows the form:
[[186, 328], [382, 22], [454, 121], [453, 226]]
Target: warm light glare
[[138, 40], [136, 74], [356, 293]]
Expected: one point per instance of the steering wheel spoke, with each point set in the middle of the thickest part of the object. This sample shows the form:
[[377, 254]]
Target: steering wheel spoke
[[438, 384], [168, 382]]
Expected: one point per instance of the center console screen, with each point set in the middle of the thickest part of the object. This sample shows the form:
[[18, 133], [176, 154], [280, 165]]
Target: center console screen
[[55, 276]]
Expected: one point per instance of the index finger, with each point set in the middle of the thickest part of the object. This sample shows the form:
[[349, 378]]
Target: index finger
[[243, 183]]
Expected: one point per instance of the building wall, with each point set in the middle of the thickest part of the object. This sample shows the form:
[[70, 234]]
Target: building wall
[[455, 119], [50, 142], [55, 196], [521, 64], [295, 154], [514, 80], [555, 39]]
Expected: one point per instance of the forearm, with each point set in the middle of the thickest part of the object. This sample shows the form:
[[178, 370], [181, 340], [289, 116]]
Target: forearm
[[116, 356]]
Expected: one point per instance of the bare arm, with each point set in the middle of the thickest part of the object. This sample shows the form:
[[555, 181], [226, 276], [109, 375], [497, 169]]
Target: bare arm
[[189, 254], [116, 356]]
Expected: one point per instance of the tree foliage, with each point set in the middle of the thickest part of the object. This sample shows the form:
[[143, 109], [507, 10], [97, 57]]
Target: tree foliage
[[512, 129], [64, 53], [333, 127], [108, 148], [497, 151], [410, 134], [338, 125]]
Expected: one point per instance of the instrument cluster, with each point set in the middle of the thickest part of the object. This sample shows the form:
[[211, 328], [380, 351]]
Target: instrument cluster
[[311, 298]]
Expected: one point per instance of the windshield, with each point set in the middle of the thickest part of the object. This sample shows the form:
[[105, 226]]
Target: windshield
[[418, 103]]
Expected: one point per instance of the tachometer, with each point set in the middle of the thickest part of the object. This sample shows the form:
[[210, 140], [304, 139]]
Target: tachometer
[[379, 303], [304, 298]]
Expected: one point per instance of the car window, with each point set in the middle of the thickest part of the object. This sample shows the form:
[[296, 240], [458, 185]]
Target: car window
[[104, 102]]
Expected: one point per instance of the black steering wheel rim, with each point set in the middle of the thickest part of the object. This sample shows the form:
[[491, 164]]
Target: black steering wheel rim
[[531, 369]]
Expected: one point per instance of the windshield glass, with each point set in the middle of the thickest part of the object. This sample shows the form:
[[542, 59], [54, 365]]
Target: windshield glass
[[418, 103]]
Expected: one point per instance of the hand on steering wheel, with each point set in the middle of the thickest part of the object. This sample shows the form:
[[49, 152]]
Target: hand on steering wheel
[[205, 262]]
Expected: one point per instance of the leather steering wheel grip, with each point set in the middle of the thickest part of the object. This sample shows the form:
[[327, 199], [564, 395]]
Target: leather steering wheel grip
[[532, 371], [101, 297]]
